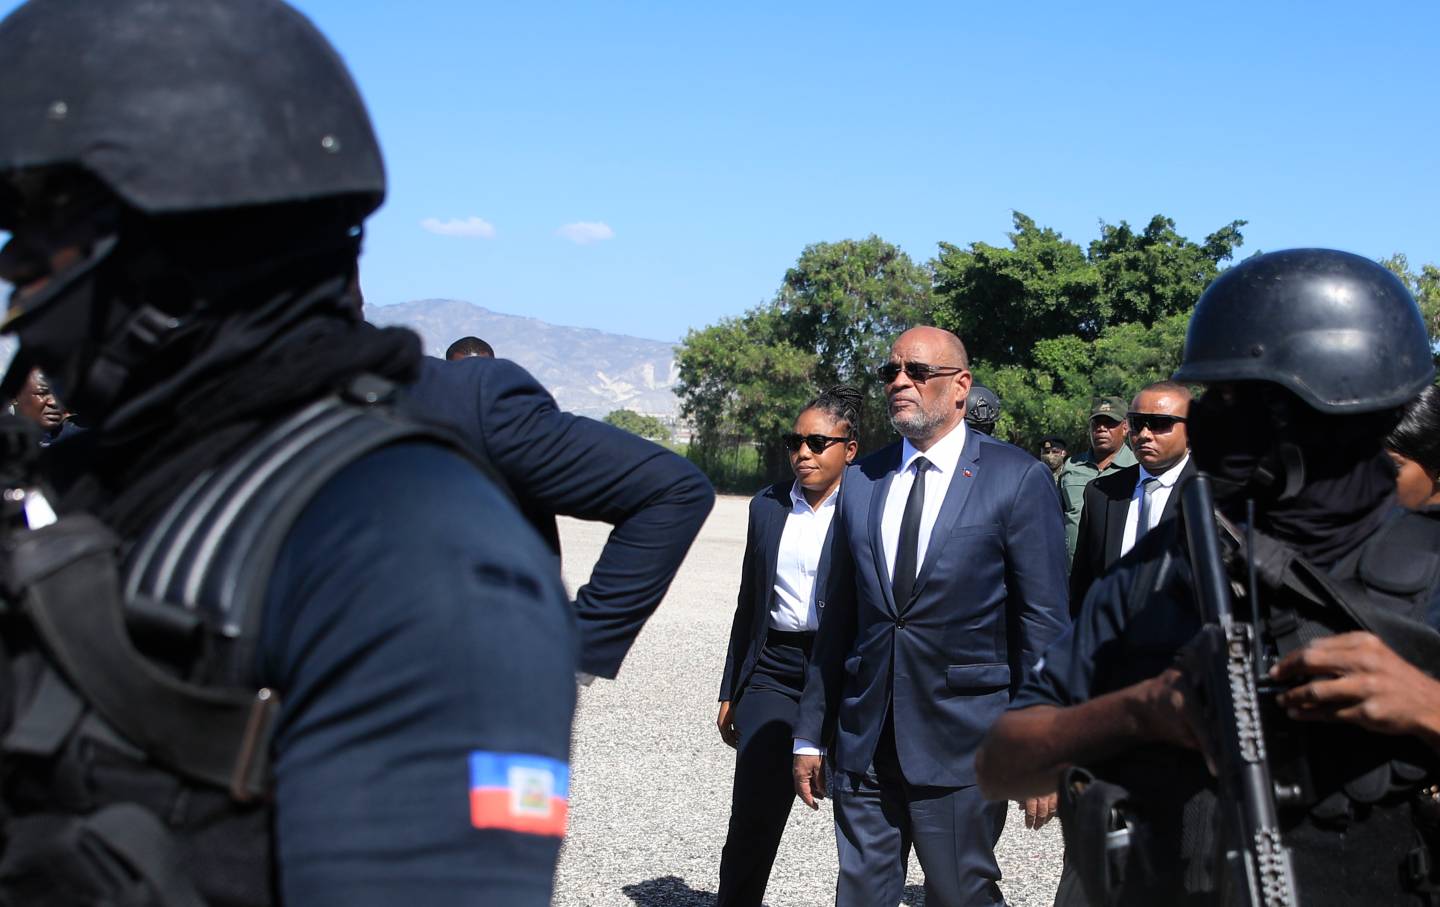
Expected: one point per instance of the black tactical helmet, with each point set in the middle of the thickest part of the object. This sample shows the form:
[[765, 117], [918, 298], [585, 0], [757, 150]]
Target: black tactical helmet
[[1339, 331], [185, 105], [982, 407]]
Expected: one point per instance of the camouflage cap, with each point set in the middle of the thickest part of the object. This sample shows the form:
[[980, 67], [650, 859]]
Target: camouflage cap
[[1109, 407]]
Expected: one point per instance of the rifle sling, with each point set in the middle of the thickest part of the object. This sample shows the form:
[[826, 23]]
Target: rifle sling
[[216, 736]]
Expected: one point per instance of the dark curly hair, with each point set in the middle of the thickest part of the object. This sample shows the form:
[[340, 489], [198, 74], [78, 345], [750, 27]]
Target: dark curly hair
[[1417, 437], [841, 403]]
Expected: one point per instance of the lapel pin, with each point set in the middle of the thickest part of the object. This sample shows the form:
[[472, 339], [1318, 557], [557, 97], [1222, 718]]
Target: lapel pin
[[968, 473]]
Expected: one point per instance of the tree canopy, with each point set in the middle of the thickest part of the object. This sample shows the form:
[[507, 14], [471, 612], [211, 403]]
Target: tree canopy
[[1049, 324], [633, 422], [1425, 287], [743, 380], [1005, 301]]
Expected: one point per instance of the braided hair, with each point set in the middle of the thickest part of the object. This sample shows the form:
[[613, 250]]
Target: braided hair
[[841, 403]]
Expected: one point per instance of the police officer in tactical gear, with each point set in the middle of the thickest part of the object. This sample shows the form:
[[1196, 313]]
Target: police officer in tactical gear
[[982, 409], [266, 654], [1307, 356]]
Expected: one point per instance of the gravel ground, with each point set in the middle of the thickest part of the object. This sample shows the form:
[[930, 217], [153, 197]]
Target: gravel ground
[[650, 792]]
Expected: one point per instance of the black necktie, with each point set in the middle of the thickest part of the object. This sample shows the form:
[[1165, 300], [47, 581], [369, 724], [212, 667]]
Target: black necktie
[[908, 549]]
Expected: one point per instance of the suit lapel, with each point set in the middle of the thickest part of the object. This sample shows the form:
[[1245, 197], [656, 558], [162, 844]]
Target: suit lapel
[[951, 507], [878, 493], [772, 530], [1117, 510]]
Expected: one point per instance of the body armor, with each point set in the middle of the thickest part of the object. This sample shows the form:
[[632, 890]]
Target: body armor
[[135, 744]]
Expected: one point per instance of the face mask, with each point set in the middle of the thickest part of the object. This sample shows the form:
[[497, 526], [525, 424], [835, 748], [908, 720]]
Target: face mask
[[1242, 436]]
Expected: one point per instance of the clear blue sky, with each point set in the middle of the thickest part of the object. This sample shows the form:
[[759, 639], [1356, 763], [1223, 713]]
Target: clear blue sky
[[715, 141]]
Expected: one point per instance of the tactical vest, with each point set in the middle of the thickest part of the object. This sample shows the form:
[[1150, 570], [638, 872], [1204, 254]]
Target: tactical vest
[[1142, 829], [135, 751]]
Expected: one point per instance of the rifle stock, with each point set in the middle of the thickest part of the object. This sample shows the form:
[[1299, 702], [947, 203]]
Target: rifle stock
[[1258, 870]]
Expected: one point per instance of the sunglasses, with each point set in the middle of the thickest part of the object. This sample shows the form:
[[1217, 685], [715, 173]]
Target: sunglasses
[[919, 372], [1157, 423], [816, 443]]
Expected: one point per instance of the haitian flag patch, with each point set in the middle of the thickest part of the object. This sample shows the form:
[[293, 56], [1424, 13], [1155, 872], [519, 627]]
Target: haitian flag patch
[[518, 792]]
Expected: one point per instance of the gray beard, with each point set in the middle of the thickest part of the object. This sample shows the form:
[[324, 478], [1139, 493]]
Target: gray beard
[[917, 425]]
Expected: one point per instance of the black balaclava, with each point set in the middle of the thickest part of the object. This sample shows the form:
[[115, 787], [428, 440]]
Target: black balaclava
[[182, 337], [1321, 483]]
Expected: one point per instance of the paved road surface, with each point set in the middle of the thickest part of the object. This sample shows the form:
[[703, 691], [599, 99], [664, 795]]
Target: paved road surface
[[650, 793]]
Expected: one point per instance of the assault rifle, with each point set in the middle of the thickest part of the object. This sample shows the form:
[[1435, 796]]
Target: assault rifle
[[1256, 870]]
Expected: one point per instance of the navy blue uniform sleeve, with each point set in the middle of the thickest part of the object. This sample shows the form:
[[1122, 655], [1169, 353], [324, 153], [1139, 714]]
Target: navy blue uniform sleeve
[[1066, 673], [655, 499], [415, 629], [1133, 621]]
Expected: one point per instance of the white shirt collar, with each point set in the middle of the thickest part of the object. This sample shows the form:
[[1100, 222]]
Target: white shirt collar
[[943, 455], [798, 501], [1170, 476]]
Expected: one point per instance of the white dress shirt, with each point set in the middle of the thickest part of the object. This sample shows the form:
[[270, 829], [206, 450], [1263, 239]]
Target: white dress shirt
[[944, 457], [1158, 497], [793, 606]]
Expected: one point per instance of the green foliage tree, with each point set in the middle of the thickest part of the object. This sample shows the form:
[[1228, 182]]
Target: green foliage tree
[[744, 379], [1157, 272], [1005, 301], [845, 302], [1002, 301], [1053, 396], [1049, 325], [1425, 286], [740, 386], [635, 423]]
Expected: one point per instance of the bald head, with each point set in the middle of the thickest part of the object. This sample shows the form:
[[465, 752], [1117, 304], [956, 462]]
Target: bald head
[[946, 343], [931, 379]]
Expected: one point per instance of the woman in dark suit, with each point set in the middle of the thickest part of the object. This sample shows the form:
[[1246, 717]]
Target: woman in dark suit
[[775, 622]]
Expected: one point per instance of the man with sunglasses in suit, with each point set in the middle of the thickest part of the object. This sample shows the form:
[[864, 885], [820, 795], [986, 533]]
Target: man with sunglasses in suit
[[1122, 506], [947, 582]]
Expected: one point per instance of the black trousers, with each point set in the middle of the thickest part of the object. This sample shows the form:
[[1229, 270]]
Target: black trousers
[[763, 792]]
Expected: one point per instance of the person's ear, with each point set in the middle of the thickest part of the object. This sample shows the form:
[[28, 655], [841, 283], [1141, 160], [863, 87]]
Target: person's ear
[[851, 448], [962, 388]]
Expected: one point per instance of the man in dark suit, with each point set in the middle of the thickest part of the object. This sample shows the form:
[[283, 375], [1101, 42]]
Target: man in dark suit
[[947, 581], [559, 463], [1122, 506]]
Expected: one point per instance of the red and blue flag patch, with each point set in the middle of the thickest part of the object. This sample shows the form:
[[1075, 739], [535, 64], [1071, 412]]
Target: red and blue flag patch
[[518, 792]]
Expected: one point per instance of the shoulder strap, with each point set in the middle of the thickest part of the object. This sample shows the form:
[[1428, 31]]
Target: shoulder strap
[[71, 587], [211, 555], [212, 552]]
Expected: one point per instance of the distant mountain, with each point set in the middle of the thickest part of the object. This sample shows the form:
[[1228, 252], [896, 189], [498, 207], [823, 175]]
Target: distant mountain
[[590, 372]]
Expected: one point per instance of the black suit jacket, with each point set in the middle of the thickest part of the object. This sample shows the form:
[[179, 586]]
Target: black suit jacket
[[768, 511], [1102, 527], [556, 462]]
